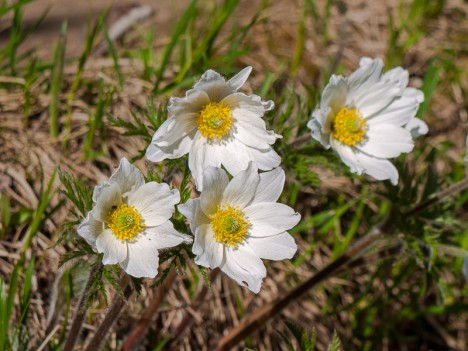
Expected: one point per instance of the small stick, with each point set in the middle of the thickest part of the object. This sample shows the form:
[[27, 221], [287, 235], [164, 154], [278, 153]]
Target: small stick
[[112, 314], [139, 330], [77, 324]]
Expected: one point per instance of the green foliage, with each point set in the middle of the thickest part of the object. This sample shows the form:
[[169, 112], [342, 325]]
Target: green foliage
[[181, 28], [306, 339], [5, 214], [56, 80], [12, 331], [78, 193], [115, 58], [154, 115], [406, 28], [96, 123], [431, 80], [39, 213], [300, 166], [335, 344], [18, 34]]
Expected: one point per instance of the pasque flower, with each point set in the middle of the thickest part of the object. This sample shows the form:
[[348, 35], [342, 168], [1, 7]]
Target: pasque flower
[[130, 221], [216, 125], [238, 222], [368, 118]]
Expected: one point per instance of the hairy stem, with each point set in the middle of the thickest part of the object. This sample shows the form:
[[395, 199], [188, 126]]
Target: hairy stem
[[77, 324], [112, 314], [258, 318], [150, 312]]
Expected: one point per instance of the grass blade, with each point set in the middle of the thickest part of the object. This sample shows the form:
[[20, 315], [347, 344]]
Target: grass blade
[[431, 80], [181, 27], [57, 75]]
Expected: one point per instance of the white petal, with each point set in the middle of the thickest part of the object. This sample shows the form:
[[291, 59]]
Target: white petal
[[386, 141], [251, 106], [154, 202], [249, 127], [178, 127], [209, 252], [126, 176], [143, 258], [242, 187], [316, 128], [334, 95], [378, 168], [380, 94], [240, 78], [202, 155], [252, 131], [193, 102], [270, 186], [397, 76], [347, 155], [278, 247], [244, 267], [364, 61], [89, 229], [114, 249], [198, 247], [264, 159], [363, 79], [214, 85], [156, 153], [417, 127], [361, 163], [268, 105], [109, 196], [165, 236], [188, 209], [235, 156], [375, 97], [215, 181], [400, 111], [268, 219], [255, 137], [192, 210]]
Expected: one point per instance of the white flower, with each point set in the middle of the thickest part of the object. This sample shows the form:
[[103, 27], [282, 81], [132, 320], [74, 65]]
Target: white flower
[[216, 125], [369, 117], [130, 221], [238, 222]]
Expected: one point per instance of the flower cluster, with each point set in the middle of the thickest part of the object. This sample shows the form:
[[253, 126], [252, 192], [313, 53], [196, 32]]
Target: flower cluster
[[236, 221]]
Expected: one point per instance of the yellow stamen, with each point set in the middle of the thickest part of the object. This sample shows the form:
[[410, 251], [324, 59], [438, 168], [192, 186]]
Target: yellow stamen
[[349, 126], [214, 120], [229, 225], [125, 222]]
